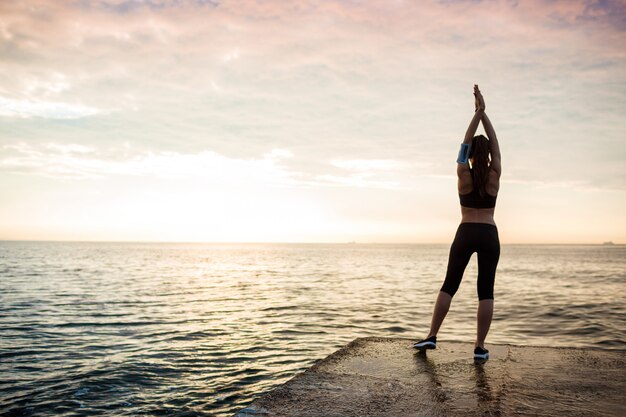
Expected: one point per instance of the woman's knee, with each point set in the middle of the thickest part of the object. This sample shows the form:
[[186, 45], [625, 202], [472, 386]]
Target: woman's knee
[[486, 295], [450, 287], [485, 288]]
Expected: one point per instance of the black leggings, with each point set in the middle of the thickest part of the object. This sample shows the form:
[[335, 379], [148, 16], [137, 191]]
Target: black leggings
[[474, 237]]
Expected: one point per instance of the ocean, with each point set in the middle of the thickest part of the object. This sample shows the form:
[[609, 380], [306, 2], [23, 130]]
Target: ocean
[[168, 329]]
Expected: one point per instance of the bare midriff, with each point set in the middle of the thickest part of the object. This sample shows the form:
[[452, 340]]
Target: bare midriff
[[476, 215]]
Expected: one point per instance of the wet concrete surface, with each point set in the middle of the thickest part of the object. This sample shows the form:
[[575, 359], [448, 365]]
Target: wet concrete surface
[[374, 376]]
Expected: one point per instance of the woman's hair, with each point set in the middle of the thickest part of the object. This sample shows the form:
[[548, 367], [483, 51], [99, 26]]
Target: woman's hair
[[479, 152]]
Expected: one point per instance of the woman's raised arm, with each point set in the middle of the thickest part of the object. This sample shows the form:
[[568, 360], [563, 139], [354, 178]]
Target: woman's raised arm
[[494, 147], [471, 129], [462, 168]]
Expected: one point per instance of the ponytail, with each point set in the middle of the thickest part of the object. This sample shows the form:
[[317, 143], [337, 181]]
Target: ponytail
[[480, 163]]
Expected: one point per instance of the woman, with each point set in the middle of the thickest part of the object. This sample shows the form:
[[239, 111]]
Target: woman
[[478, 185]]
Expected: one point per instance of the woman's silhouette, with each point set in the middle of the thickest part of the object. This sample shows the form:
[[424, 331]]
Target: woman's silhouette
[[478, 184]]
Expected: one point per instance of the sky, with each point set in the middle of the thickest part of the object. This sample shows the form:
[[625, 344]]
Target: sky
[[307, 121]]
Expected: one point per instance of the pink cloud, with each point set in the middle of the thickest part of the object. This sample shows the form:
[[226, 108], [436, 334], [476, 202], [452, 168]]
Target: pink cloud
[[323, 73]]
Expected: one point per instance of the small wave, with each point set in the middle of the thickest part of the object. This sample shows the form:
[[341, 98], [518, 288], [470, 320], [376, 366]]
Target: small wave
[[112, 324], [197, 335], [396, 329], [290, 307], [18, 352], [292, 331], [618, 343]]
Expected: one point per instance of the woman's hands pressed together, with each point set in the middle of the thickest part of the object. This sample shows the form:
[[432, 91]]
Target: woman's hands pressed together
[[479, 101]]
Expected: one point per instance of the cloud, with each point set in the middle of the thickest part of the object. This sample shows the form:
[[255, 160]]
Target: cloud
[[72, 161], [45, 109], [607, 13], [78, 162], [366, 173], [130, 6]]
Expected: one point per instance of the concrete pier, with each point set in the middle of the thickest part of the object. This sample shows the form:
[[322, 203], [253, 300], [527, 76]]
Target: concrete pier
[[374, 376]]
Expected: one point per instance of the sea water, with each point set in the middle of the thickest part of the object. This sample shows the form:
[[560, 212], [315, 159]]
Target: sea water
[[204, 329]]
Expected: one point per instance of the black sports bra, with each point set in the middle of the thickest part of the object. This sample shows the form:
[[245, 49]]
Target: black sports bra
[[474, 200]]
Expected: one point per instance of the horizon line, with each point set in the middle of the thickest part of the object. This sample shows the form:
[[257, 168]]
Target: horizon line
[[607, 243]]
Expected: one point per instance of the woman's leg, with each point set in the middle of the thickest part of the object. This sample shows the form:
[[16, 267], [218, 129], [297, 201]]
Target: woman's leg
[[439, 312], [488, 256], [460, 254], [483, 321]]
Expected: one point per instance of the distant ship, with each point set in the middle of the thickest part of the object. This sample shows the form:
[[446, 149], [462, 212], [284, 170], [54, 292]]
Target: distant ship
[[609, 243]]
